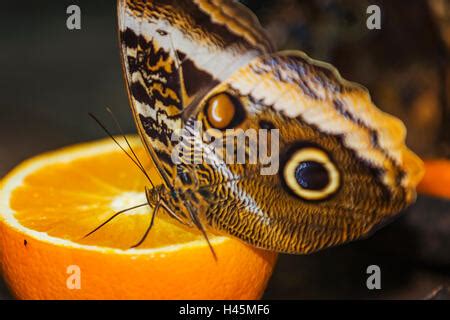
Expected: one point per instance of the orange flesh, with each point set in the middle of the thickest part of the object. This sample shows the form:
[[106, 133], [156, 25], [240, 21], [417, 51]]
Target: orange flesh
[[92, 190]]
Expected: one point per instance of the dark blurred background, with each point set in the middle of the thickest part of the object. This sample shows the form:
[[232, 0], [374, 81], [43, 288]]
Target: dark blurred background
[[50, 78]]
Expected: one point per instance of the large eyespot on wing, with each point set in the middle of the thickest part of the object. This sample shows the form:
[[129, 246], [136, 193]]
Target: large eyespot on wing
[[309, 173]]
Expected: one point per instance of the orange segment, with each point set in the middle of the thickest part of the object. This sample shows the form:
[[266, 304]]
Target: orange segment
[[49, 203]]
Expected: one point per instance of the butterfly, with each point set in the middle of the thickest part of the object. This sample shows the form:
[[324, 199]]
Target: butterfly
[[343, 166]]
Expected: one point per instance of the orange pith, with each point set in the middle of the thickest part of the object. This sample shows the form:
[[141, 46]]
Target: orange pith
[[49, 203]]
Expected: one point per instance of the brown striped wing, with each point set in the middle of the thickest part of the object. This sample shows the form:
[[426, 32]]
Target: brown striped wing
[[320, 116], [173, 52], [344, 167]]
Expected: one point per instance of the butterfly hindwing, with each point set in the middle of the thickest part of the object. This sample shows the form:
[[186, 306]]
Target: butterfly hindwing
[[343, 166]]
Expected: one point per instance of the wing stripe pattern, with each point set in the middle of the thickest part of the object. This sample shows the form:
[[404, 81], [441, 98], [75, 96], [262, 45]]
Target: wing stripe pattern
[[173, 51]]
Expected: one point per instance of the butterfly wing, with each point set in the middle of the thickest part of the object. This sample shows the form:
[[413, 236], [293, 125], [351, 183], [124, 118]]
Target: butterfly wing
[[173, 52], [343, 167]]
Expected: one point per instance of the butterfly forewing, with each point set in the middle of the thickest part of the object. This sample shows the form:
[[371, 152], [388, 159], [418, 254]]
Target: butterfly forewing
[[173, 52]]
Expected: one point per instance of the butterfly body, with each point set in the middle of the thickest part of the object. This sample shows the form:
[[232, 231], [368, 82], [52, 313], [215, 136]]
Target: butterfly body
[[342, 167]]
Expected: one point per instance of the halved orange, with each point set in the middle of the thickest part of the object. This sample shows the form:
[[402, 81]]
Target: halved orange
[[50, 202]]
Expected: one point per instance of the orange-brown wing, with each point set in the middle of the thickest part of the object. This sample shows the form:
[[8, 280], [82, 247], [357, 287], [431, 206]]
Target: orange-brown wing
[[340, 167], [173, 52]]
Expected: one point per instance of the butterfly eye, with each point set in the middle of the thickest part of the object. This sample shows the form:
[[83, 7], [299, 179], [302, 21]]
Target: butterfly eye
[[310, 174], [224, 111], [162, 32]]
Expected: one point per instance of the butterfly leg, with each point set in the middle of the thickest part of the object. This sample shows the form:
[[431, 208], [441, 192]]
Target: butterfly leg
[[154, 200], [152, 220], [199, 225], [172, 214], [112, 217]]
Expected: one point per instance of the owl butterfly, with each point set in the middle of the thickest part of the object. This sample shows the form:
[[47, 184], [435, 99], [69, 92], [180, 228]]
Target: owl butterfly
[[343, 164]]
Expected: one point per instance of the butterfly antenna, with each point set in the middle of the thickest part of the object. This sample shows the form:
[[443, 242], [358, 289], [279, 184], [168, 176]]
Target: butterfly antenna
[[114, 216], [128, 143], [120, 146]]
